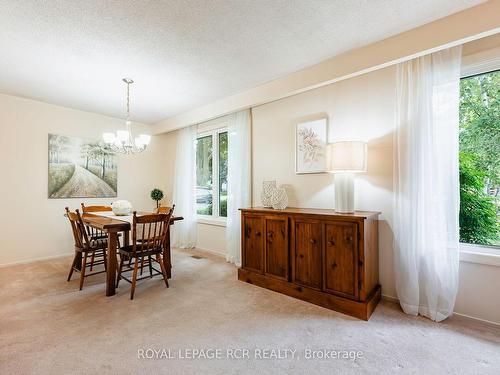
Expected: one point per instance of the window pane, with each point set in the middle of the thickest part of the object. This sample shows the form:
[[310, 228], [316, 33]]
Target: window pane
[[223, 174], [479, 159], [204, 182]]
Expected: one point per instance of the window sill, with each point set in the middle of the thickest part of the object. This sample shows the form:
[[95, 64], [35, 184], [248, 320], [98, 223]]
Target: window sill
[[207, 220], [480, 254]]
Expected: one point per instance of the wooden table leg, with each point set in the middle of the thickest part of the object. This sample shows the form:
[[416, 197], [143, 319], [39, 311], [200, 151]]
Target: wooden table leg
[[111, 269], [126, 238], [167, 261]]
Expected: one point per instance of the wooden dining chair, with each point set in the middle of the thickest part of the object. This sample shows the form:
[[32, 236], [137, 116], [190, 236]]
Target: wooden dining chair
[[86, 209], [163, 210], [149, 233], [93, 233], [85, 247], [159, 210]]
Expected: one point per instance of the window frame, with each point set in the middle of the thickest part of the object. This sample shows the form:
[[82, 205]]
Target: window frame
[[480, 63], [214, 132]]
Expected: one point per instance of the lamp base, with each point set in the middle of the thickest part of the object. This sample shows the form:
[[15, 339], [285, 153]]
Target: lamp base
[[344, 192]]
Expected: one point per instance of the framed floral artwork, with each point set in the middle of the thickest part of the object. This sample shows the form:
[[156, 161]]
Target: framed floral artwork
[[310, 146]]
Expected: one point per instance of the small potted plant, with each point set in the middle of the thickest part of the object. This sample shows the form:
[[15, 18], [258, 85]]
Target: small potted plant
[[157, 195]]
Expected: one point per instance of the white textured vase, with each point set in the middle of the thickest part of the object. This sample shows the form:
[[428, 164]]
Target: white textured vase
[[121, 208], [279, 200], [268, 188]]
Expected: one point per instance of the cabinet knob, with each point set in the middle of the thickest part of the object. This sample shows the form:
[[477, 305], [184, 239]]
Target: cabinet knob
[[312, 240], [301, 255], [331, 243], [270, 234], [334, 265], [257, 233]]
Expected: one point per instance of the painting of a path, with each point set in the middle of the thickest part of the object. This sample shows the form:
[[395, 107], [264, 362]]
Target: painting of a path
[[79, 168]]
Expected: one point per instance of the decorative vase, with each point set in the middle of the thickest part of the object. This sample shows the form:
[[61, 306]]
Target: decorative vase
[[279, 199], [268, 188], [121, 208]]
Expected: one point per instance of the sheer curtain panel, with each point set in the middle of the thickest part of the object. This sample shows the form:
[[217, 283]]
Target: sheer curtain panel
[[238, 189], [184, 231], [427, 184]]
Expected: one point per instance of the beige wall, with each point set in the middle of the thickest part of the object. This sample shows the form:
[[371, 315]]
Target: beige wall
[[33, 226]]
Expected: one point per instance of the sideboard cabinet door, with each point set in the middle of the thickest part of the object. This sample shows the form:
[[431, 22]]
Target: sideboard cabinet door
[[276, 246], [307, 253], [253, 243], [341, 258]]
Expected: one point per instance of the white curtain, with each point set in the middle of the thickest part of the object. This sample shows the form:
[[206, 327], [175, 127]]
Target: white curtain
[[184, 231], [427, 185], [238, 187]]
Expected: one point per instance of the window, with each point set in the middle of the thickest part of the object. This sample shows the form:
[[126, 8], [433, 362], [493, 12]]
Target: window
[[480, 159], [211, 174]]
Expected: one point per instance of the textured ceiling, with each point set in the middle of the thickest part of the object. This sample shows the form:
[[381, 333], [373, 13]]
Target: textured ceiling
[[183, 53]]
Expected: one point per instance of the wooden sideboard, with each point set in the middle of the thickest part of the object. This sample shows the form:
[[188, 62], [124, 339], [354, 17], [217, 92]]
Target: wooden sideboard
[[316, 255]]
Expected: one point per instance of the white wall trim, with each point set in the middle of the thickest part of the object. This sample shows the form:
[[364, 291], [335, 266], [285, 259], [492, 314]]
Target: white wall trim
[[207, 220], [214, 252], [476, 319], [396, 300], [35, 260], [482, 62], [476, 256]]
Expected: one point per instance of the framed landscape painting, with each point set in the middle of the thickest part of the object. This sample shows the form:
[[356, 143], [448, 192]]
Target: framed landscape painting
[[79, 168], [310, 146]]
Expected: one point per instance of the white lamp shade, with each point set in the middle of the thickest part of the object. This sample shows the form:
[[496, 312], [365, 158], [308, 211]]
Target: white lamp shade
[[108, 137], [349, 156], [122, 135], [145, 139]]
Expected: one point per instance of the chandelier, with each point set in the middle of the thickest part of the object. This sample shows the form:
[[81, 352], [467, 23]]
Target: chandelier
[[123, 141]]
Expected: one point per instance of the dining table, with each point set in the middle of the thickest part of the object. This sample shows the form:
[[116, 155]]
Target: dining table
[[112, 225]]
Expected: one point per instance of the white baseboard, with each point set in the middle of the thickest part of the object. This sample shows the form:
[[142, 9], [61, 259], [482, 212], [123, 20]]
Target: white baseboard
[[390, 298], [34, 260], [214, 252], [476, 319], [396, 300]]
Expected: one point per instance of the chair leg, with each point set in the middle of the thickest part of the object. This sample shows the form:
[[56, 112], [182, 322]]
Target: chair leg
[[82, 272], [72, 267], [142, 264], [134, 278], [105, 260], [162, 266], [150, 266], [92, 261], [119, 276]]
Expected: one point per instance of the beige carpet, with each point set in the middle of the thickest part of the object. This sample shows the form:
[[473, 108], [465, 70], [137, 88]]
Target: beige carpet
[[47, 326]]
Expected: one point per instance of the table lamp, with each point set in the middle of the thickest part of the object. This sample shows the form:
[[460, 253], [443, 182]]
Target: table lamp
[[345, 159]]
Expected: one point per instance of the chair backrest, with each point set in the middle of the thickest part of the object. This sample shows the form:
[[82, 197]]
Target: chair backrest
[[93, 232], [78, 229], [163, 210], [151, 229], [95, 208]]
